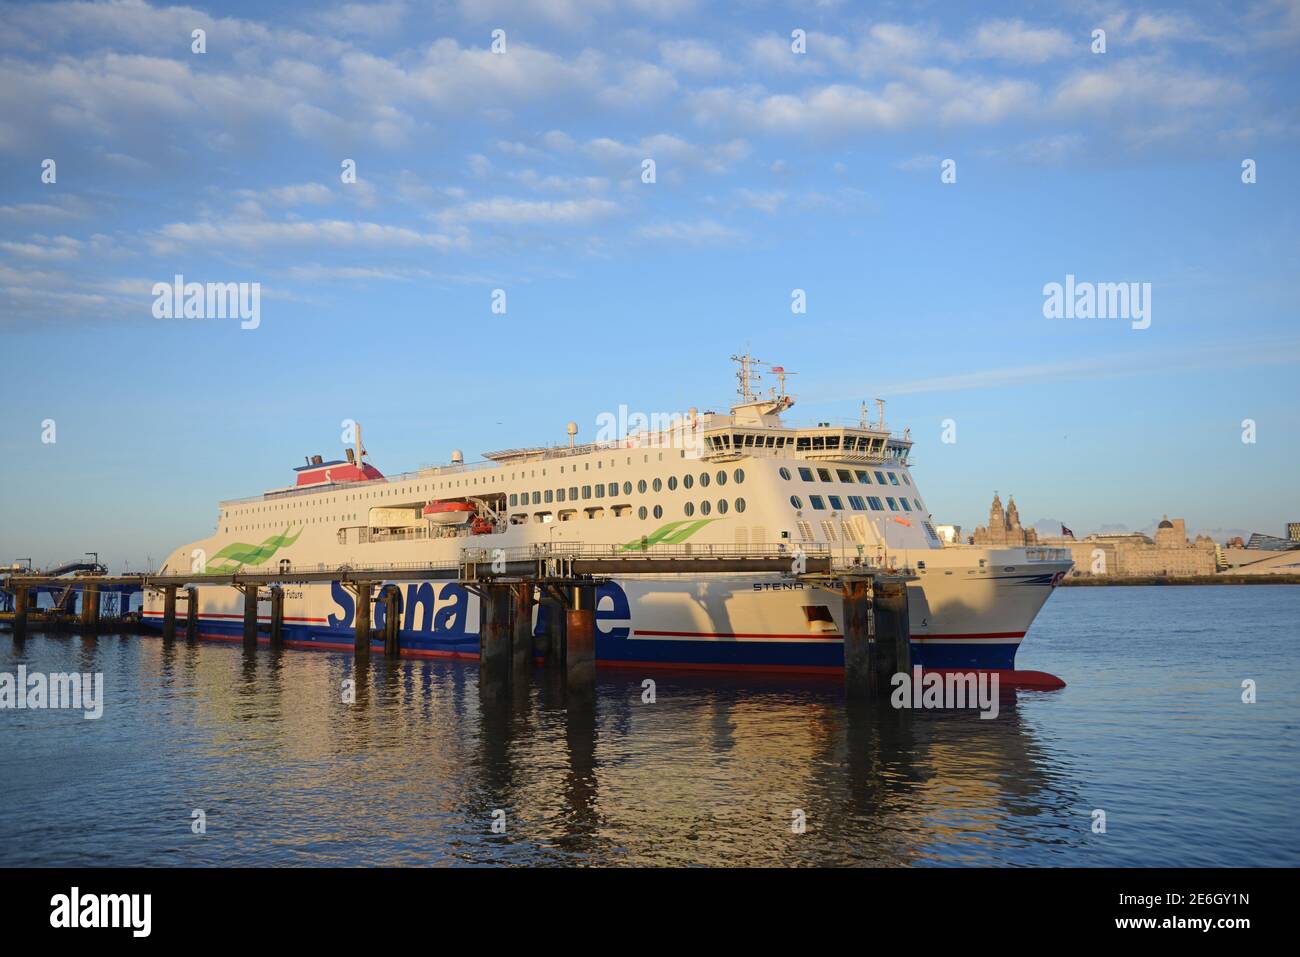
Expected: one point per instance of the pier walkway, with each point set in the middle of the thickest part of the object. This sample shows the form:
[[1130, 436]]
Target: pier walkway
[[508, 583]]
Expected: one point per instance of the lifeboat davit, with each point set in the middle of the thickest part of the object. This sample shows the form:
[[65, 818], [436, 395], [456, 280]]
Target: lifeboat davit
[[449, 513]]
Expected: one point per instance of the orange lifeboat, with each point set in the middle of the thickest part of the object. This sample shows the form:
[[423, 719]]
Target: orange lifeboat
[[449, 513]]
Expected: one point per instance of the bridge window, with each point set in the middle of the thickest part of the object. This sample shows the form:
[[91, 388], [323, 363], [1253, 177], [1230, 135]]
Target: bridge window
[[837, 503], [875, 504], [856, 502], [906, 506], [817, 502], [806, 475], [893, 506]]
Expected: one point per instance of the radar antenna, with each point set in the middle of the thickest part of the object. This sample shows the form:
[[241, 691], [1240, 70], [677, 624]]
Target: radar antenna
[[747, 377]]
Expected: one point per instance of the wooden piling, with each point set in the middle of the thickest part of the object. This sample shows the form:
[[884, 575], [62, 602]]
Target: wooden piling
[[361, 644], [494, 638], [893, 645], [169, 612], [21, 595], [392, 600], [90, 606], [250, 615], [580, 642], [859, 682], [521, 641], [191, 613], [555, 622], [277, 616]]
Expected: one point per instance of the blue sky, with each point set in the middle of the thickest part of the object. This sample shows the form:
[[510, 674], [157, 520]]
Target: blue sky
[[522, 171]]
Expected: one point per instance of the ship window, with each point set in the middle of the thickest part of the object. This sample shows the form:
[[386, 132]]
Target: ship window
[[642, 512], [806, 474], [550, 496], [832, 441], [573, 493], [817, 613], [705, 507], [627, 488], [863, 476], [586, 491], [876, 506], [880, 478], [613, 489], [906, 480], [856, 503], [740, 505], [919, 506], [906, 506], [784, 473], [893, 506], [689, 508], [672, 483], [796, 501], [722, 477], [559, 494], [844, 475], [893, 478], [537, 498], [816, 501], [722, 506], [704, 480], [600, 490], [687, 481], [824, 474], [641, 487], [657, 485], [801, 444], [659, 511], [738, 475], [836, 503]]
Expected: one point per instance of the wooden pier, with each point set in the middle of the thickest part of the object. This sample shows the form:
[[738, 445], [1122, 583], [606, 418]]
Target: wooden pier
[[509, 582]]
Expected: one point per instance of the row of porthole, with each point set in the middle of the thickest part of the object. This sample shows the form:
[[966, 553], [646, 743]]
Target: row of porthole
[[706, 507], [688, 481]]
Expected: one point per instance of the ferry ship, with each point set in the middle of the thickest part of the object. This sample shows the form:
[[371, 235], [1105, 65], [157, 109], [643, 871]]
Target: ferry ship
[[682, 483]]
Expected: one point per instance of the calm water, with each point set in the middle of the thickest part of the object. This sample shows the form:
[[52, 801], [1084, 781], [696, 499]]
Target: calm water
[[1151, 729]]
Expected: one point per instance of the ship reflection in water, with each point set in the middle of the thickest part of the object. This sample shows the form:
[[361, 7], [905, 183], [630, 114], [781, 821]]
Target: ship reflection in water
[[715, 771]]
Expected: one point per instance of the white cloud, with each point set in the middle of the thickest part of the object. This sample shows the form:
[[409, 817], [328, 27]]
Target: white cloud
[[1015, 40], [531, 212], [692, 233], [332, 232]]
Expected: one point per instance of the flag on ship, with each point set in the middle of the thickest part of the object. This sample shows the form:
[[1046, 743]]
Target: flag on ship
[[1066, 533]]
